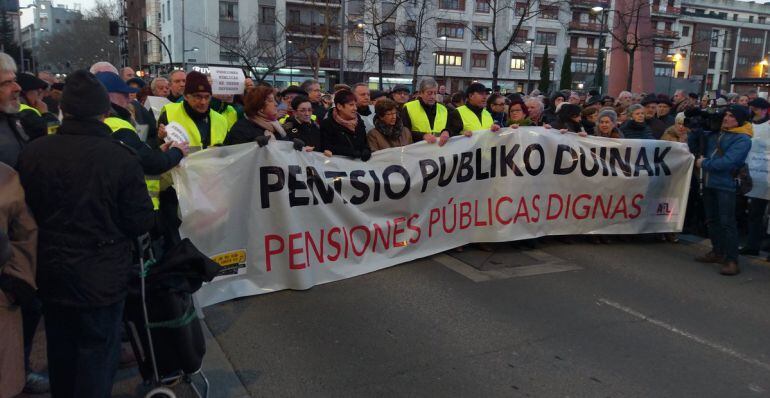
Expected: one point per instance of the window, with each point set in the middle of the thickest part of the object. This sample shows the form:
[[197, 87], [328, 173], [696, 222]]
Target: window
[[685, 31], [268, 15], [762, 20], [409, 57], [452, 5], [355, 53], [479, 60], [388, 57], [712, 60], [537, 63], [751, 18], [665, 71], [521, 36], [58, 20], [756, 40], [545, 38], [735, 17], [168, 10], [228, 11], [518, 63], [449, 58], [715, 38], [549, 12], [162, 12], [451, 30], [294, 17], [680, 75], [482, 6], [482, 32], [522, 9], [709, 80], [743, 60], [228, 42], [411, 28], [745, 39]]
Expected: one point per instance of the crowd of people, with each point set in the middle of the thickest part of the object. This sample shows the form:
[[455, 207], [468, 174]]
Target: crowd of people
[[83, 172]]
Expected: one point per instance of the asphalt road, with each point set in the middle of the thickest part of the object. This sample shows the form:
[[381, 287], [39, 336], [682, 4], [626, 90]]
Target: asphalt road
[[579, 320]]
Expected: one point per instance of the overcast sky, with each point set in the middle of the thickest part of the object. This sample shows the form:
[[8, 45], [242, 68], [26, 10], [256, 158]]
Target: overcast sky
[[84, 4]]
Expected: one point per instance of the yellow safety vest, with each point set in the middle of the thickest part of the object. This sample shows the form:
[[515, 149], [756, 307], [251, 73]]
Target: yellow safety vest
[[175, 113], [420, 121], [152, 182], [285, 118], [231, 115], [471, 122], [24, 107]]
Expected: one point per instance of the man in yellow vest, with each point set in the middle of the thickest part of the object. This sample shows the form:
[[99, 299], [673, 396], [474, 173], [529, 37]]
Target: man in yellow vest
[[425, 117], [154, 161], [473, 115], [35, 118], [204, 126], [223, 105]]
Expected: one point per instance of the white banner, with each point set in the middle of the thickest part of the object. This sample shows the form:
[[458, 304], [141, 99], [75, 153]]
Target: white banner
[[277, 218], [759, 162]]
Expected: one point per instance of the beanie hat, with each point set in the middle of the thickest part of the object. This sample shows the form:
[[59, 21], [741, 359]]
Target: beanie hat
[[740, 112], [84, 96], [197, 82], [568, 111], [650, 99], [608, 113]]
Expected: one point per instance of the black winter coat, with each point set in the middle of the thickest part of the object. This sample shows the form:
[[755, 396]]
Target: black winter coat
[[88, 195], [245, 130], [153, 161], [634, 130], [341, 142], [308, 133]]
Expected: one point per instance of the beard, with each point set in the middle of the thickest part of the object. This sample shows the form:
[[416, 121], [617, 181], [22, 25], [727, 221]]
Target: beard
[[11, 107]]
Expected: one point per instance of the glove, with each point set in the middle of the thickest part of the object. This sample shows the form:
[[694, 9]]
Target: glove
[[262, 140], [17, 288], [366, 154], [298, 144]]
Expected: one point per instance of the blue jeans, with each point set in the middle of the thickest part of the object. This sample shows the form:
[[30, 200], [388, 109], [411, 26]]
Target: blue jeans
[[721, 222], [83, 349], [756, 231]]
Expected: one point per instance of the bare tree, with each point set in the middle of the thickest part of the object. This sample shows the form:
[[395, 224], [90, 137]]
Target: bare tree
[[380, 25], [627, 35], [414, 36], [259, 48], [503, 35], [79, 45]]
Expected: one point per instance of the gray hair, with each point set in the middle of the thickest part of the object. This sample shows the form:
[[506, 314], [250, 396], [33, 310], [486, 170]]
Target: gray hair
[[624, 94], [7, 64], [154, 82], [307, 83], [103, 66], [680, 92], [357, 85], [427, 83], [536, 102], [631, 109], [680, 117], [608, 113]]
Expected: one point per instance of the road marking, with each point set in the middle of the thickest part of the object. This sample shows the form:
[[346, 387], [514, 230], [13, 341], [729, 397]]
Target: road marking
[[673, 329], [550, 265]]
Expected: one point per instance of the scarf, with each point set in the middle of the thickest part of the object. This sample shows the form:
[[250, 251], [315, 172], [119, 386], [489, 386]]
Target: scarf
[[272, 127], [349, 125], [389, 132]]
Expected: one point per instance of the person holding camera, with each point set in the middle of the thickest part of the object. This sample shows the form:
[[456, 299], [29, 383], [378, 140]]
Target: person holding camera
[[725, 155]]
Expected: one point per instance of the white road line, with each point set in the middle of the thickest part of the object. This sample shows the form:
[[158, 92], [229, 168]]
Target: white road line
[[690, 336]]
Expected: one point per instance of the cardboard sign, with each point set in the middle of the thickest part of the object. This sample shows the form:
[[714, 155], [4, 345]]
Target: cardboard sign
[[227, 81], [155, 104]]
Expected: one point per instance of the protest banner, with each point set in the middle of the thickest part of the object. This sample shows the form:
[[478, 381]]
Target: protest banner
[[758, 161], [276, 218], [227, 81]]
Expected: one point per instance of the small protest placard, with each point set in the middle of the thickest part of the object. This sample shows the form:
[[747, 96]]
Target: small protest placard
[[176, 133], [227, 81]]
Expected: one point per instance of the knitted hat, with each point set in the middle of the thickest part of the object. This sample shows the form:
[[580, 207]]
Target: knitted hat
[[760, 103], [568, 111], [197, 82], [741, 113], [650, 99], [608, 113], [84, 96]]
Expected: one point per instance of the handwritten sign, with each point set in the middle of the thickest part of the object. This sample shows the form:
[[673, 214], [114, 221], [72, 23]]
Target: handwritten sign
[[176, 133], [227, 81]]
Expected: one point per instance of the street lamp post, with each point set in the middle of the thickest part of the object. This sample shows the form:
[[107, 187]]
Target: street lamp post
[[445, 57], [435, 62], [291, 74], [599, 74], [529, 65]]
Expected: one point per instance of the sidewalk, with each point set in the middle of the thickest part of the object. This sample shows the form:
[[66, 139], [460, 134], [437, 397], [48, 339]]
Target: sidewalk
[[223, 381]]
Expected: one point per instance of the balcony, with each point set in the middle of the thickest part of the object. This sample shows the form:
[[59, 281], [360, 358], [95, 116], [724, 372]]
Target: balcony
[[305, 61], [666, 11], [663, 58], [313, 30], [665, 34], [584, 52], [589, 4], [585, 26], [319, 3], [355, 64]]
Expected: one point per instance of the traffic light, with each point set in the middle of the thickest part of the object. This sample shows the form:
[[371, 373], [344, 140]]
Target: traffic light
[[114, 28]]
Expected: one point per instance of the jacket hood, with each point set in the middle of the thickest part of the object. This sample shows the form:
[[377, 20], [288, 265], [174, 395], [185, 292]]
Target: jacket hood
[[746, 128]]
